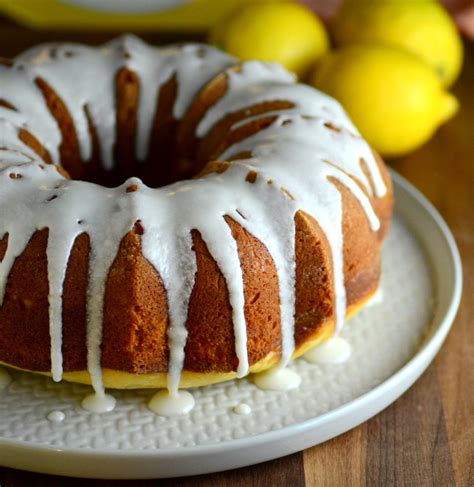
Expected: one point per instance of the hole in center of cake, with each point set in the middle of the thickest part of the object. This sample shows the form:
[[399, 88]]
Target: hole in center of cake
[[156, 171], [159, 153]]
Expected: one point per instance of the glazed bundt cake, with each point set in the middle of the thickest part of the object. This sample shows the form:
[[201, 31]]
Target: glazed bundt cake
[[256, 230]]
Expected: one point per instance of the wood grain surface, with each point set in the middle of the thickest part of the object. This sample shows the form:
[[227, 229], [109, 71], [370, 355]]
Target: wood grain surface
[[426, 438]]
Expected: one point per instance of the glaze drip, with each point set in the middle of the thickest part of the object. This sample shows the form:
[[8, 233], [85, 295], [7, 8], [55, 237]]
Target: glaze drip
[[99, 403], [242, 409], [334, 350], [277, 379], [295, 154], [56, 416], [168, 404]]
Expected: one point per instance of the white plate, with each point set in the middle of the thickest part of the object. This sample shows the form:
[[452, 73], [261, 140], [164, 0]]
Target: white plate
[[393, 343]]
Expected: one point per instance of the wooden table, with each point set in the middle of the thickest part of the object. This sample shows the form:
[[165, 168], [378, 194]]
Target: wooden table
[[426, 438]]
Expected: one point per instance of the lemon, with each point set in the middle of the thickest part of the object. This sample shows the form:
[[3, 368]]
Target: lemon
[[284, 32], [393, 97], [421, 26]]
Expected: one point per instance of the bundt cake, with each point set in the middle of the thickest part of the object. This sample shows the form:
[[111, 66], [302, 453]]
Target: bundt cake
[[256, 230]]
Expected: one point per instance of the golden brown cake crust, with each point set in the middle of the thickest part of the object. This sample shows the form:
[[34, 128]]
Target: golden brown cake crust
[[135, 321]]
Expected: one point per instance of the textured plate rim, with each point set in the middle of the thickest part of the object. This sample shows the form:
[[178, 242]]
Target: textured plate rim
[[170, 462]]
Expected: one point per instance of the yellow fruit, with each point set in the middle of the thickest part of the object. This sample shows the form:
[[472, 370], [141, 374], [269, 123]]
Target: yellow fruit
[[394, 98], [421, 26], [287, 33]]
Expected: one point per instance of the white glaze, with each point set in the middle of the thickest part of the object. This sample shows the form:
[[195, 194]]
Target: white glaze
[[277, 379], [334, 350], [242, 409], [165, 403], [71, 69], [377, 298], [5, 378], [56, 416], [297, 152], [99, 403]]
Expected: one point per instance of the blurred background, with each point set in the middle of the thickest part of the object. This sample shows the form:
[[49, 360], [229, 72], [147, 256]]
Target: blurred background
[[391, 63]]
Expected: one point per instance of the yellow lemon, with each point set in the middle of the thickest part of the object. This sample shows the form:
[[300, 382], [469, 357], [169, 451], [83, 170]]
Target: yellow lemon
[[420, 26], [284, 32], [393, 97]]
